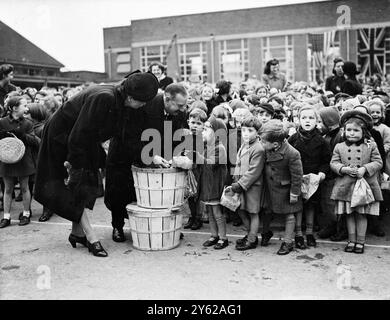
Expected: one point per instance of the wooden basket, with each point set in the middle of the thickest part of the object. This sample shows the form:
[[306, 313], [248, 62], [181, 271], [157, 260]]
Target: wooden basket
[[154, 229], [159, 188], [11, 150]]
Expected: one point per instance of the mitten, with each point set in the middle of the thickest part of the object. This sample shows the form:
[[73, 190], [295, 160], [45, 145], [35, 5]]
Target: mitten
[[236, 187]]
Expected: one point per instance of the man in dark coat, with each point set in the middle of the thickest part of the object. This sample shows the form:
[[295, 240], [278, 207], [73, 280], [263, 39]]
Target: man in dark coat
[[168, 107], [71, 139]]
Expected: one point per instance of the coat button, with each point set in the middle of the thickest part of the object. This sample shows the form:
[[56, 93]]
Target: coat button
[[358, 150], [349, 158], [349, 150], [358, 158]]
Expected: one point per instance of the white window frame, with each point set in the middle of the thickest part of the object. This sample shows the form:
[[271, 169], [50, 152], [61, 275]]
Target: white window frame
[[244, 62], [145, 60], [183, 56]]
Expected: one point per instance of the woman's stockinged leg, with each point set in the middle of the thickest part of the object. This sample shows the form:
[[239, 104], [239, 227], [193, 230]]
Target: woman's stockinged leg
[[77, 230], [221, 222], [86, 225]]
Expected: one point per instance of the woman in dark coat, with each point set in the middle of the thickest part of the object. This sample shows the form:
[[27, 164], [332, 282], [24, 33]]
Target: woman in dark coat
[[351, 86], [335, 82], [70, 143]]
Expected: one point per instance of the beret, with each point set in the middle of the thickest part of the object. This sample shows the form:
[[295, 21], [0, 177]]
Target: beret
[[141, 86], [273, 125], [267, 107], [366, 118]]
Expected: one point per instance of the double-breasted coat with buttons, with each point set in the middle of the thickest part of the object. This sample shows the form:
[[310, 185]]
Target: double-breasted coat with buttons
[[283, 173], [365, 155], [249, 175]]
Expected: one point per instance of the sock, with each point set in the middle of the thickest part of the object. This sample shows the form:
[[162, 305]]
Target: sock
[[7, 216], [26, 213]]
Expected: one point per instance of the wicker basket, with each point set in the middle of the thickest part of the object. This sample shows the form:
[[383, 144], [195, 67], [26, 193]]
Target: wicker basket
[[11, 150]]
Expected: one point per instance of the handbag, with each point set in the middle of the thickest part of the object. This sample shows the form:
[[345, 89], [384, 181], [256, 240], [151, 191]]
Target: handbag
[[12, 149], [230, 199], [361, 194]]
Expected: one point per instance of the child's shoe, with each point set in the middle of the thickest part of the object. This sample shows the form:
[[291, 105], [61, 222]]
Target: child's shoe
[[221, 244], [5, 223], [265, 238], [300, 243], [247, 245], [197, 224], [359, 248], [285, 248], [242, 240], [350, 247], [189, 224], [310, 240], [212, 241]]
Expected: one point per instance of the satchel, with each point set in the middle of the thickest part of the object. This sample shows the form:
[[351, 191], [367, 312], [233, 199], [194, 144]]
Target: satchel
[[230, 199], [362, 194]]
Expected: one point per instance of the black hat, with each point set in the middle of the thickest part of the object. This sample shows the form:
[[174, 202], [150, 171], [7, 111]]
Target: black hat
[[141, 86], [267, 107], [349, 68], [340, 95], [366, 118]]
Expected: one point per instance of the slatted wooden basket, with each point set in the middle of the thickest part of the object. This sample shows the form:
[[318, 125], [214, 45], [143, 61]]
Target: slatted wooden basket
[[159, 188], [155, 230]]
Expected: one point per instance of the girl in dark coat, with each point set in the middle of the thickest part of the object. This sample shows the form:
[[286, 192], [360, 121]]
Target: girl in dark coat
[[22, 128], [212, 180], [315, 156], [70, 143]]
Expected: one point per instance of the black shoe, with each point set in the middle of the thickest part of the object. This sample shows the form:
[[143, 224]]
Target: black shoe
[[19, 197], [285, 248], [359, 248], [197, 225], [181, 236], [212, 241], [300, 243], [5, 223], [97, 249], [242, 240], [118, 235], [46, 215], [221, 244], [265, 238], [188, 225], [339, 236], [247, 245], [76, 239], [328, 231], [24, 220], [311, 241], [350, 247]]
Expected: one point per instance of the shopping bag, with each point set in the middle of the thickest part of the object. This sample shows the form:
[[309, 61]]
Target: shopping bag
[[310, 183], [362, 194], [230, 199], [191, 186]]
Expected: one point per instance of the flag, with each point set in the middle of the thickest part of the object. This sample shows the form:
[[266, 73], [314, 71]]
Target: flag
[[371, 50]]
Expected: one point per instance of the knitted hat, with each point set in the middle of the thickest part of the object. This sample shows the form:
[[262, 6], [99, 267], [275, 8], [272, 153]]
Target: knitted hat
[[217, 124], [141, 86], [267, 107], [366, 118], [330, 117]]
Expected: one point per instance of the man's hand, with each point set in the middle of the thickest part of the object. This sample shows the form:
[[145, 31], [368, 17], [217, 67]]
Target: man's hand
[[236, 187], [74, 175], [159, 161]]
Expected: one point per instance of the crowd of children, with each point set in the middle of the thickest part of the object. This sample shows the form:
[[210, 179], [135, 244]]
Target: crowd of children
[[258, 142]]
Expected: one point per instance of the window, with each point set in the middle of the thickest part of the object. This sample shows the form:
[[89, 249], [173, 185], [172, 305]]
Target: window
[[281, 48], [193, 60], [123, 62], [234, 59], [151, 54]]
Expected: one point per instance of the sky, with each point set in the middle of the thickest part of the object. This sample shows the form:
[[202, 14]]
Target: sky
[[71, 31]]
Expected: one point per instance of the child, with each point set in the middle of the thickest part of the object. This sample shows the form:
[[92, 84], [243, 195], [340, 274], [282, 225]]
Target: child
[[16, 123], [196, 121], [315, 155], [265, 112], [207, 96], [248, 178], [212, 180], [283, 174], [355, 158]]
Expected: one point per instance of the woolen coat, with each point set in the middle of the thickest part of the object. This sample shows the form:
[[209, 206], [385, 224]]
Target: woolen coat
[[283, 173], [74, 134], [249, 175], [364, 155]]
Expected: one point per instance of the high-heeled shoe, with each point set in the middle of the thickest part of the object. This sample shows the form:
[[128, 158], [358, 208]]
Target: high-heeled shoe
[[97, 249], [76, 239]]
